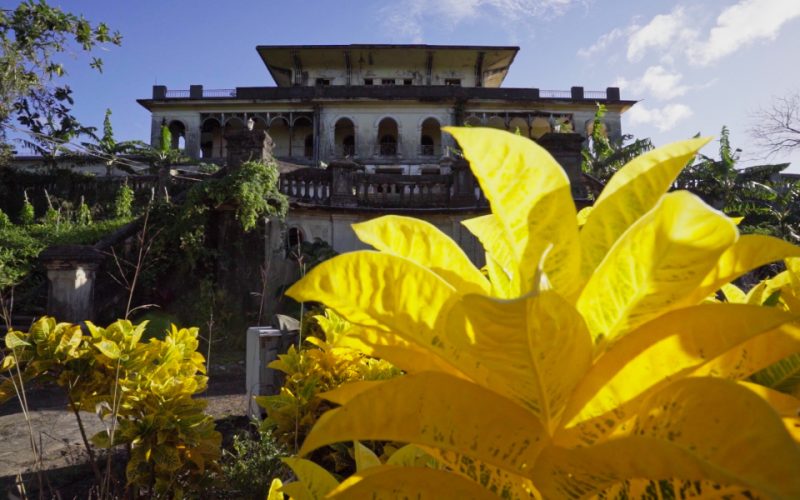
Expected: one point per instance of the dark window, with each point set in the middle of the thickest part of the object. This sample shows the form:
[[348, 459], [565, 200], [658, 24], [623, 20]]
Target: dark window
[[309, 146], [323, 82], [367, 81], [426, 145], [387, 81], [349, 146], [388, 145], [294, 243], [452, 81], [408, 81]]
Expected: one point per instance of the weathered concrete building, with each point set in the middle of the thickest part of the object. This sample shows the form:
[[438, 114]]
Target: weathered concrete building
[[373, 114]]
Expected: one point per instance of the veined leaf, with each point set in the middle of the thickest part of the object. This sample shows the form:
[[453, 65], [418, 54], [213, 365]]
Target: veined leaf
[[748, 253], [392, 482], [632, 192], [14, 340], [500, 254], [314, 481], [423, 243], [458, 415], [661, 258], [410, 455], [754, 354], [109, 348], [694, 429], [733, 293], [666, 348], [783, 375], [530, 195], [365, 458], [533, 350]]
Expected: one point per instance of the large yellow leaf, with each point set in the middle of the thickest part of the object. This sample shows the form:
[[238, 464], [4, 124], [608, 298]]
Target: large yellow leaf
[[631, 193], [365, 458], [530, 195], [489, 231], [533, 350], [385, 292], [788, 407], [440, 411], [652, 266], [393, 482], [748, 253], [754, 354], [694, 429], [660, 351], [314, 482], [423, 243]]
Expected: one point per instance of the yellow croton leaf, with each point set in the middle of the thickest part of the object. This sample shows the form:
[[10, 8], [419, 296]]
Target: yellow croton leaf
[[530, 195], [274, 492], [658, 352], [314, 482], [501, 263], [508, 436], [365, 458], [679, 433], [423, 243], [633, 191], [392, 482], [659, 259]]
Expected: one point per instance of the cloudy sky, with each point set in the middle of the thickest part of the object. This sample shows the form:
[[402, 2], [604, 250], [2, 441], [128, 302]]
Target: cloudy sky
[[694, 66]]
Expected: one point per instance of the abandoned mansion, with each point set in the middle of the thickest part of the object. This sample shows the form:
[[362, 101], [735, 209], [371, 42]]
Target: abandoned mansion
[[375, 113]]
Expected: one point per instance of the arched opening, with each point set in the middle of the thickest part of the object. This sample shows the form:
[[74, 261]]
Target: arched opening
[[308, 147], [472, 121], [178, 131], [232, 126], [279, 131], [540, 126], [387, 137], [212, 143], [300, 131], [430, 138], [294, 242], [519, 126], [496, 122], [344, 138]]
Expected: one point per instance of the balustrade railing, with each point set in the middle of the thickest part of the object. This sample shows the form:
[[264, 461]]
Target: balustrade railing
[[307, 185], [402, 191], [219, 92]]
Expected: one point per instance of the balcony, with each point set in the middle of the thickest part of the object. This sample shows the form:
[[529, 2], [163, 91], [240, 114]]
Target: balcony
[[385, 150], [429, 151]]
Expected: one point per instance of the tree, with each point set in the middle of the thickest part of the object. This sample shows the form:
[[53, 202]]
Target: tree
[[602, 157], [110, 151], [31, 36], [777, 128]]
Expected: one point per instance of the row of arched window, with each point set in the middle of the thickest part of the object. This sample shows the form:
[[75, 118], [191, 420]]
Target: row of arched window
[[387, 138]]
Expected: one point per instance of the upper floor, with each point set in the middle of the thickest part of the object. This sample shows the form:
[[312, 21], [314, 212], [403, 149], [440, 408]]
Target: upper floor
[[387, 65]]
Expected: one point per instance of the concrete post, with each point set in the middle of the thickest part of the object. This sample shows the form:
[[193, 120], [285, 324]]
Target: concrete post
[[577, 93], [463, 182], [342, 186], [195, 91], [264, 344], [246, 145], [71, 276]]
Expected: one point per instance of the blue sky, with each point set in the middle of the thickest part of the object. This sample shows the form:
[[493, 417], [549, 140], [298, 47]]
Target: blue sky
[[695, 66]]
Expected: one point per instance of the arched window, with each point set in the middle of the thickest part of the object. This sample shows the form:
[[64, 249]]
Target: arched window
[[387, 137], [279, 132], [308, 146], [178, 131], [301, 129], [211, 139], [344, 138], [431, 139]]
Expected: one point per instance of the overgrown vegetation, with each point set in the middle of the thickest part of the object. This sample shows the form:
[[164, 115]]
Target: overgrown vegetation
[[143, 392]]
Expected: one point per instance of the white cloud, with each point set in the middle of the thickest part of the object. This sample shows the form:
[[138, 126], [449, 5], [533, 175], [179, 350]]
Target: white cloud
[[742, 24], [405, 17], [662, 84], [663, 119], [604, 41], [662, 31]]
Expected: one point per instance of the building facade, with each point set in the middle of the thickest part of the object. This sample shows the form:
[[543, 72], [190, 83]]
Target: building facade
[[375, 113]]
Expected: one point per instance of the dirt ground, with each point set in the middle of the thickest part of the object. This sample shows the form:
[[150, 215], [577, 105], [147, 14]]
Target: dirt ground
[[56, 430]]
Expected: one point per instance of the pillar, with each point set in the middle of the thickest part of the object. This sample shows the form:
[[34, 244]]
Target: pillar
[[71, 273]]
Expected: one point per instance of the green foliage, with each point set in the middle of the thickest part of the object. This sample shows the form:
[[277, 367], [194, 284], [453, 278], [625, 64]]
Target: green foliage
[[143, 391], [602, 157], [32, 37], [110, 150], [27, 216], [123, 202], [316, 368], [5, 221], [248, 468], [84, 216]]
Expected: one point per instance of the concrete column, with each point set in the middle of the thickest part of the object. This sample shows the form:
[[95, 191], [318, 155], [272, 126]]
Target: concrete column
[[246, 145], [71, 277], [193, 135], [342, 187]]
